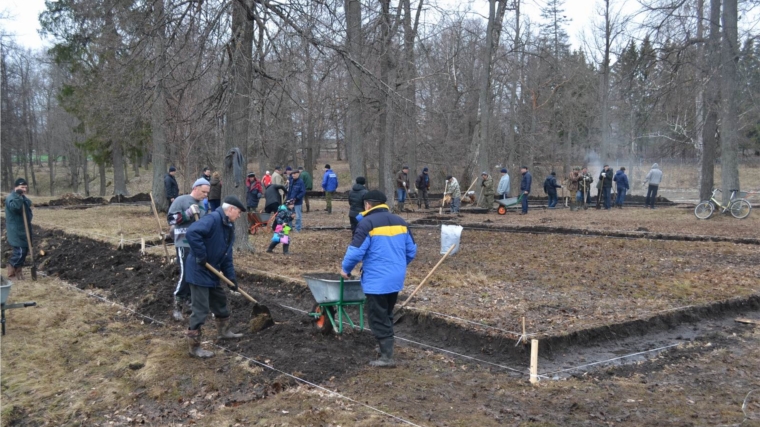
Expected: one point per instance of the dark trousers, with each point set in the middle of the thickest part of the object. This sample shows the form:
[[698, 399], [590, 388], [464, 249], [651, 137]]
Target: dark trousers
[[271, 208], [272, 245], [552, 199], [524, 203], [213, 204], [18, 256], [620, 196], [182, 290], [423, 197], [253, 207], [380, 314], [306, 201], [607, 192], [354, 223], [651, 195], [207, 300]]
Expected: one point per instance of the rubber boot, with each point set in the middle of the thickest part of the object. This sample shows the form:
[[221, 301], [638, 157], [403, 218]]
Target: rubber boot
[[194, 341], [401, 206], [271, 247], [177, 312], [223, 329], [286, 249], [11, 271], [386, 355]]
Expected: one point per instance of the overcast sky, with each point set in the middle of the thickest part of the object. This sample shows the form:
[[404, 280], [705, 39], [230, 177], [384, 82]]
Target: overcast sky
[[22, 16]]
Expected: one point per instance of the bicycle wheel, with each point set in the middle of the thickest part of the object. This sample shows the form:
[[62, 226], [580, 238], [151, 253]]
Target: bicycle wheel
[[704, 210], [740, 208]]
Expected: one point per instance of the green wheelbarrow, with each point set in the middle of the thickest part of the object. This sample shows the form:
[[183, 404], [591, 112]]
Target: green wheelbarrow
[[505, 203], [333, 294]]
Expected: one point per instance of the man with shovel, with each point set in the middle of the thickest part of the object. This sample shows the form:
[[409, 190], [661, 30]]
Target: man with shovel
[[211, 239], [183, 212], [16, 204], [385, 246]]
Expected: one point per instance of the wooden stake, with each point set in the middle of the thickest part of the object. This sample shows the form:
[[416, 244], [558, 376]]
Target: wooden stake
[[747, 321], [160, 231], [523, 326], [142, 245], [533, 361]]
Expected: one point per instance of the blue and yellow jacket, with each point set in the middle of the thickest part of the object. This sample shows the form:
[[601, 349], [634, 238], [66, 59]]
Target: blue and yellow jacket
[[384, 244]]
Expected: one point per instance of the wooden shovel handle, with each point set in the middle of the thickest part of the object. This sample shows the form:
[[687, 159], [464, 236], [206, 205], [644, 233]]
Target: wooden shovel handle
[[229, 282], [427, 277], [158, 222], [28, 231]]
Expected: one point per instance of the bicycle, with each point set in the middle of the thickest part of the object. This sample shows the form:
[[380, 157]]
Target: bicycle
[[739, 208]]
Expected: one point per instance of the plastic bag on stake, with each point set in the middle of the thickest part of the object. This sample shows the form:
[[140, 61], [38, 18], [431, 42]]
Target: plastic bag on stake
[[450, 235]]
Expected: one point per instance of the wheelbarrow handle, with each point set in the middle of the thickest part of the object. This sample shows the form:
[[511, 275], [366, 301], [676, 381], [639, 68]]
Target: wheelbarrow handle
[[229, 282]]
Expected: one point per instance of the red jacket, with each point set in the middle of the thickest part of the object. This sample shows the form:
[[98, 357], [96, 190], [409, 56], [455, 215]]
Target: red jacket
[[267, 180]]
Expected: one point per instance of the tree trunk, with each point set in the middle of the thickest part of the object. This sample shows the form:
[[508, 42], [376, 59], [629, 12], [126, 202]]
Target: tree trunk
[[712, 105], [158, 113], [604, 89], [729, 123], [119, 178], [385, 141], [102, 172], [238, 113], [354, 116]]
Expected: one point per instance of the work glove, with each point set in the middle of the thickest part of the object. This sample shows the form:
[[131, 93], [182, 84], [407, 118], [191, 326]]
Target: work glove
[[234, 287], [200, 261], [604, 175], [192, 211]]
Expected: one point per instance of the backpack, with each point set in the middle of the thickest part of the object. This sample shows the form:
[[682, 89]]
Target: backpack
[[548, 184]]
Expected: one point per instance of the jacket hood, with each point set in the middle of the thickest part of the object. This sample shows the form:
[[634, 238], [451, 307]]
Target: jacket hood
[[358, 187], [655, 166], [619, 172]]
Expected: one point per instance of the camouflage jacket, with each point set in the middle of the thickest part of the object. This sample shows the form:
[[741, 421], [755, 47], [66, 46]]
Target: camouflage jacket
[[487, 185], [573, 182], [453, 189]]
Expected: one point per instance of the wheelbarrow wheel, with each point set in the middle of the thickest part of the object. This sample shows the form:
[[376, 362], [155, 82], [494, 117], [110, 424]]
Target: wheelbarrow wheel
[[501, 210], [322, 323]]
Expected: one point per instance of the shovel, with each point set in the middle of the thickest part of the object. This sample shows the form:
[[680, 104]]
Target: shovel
[[398, 319], [262, 318], [29, 243]]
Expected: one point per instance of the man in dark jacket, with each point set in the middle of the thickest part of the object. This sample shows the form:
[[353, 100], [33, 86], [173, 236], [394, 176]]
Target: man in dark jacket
[[206, 174], [16, 204], [605, 178], [273, 198], [527, 180], [621, 180], [296, 192], [211, 239], [170, 185], [385, 246], [402, 187], [253, 192], [309, 183], [356, 202], [423, 187], [550, 188]]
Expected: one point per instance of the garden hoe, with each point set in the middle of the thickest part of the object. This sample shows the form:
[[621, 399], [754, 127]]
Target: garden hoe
[[29, 242], [262, 318], [396, 313]]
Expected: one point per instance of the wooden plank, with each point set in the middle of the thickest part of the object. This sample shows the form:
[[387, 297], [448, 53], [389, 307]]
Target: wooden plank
[[747, 321], [533, 361]]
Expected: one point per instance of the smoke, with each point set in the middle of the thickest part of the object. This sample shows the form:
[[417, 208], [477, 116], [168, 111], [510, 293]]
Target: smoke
[[594, 163]]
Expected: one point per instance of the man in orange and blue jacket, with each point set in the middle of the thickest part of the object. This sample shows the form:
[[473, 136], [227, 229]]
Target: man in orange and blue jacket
[[385, 246]]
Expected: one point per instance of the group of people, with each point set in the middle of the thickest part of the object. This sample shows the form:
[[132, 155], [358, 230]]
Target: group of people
[[454, 192], [580, 181]]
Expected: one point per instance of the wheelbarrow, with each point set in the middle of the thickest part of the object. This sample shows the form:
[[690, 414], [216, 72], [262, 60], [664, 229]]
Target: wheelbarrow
[[258, 221], [333, 294], [505, 203], [5, 290]]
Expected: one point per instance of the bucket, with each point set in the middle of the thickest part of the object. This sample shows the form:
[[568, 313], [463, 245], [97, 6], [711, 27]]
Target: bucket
[[5, 289]]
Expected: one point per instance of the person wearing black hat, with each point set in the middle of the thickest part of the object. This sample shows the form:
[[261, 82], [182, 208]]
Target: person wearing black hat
[[170, 185], [309, 183], [384, 245], [206, 174], [356, 202], [605, 192], [15, 205], [211, 240], [423, 187], [525, 184], [329, 185], [402, 187]]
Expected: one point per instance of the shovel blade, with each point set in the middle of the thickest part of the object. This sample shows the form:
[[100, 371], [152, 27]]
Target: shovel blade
[[261, 318], [34, 273]]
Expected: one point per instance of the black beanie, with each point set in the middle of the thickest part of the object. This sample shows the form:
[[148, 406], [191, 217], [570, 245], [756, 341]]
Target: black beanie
[[360, 180]]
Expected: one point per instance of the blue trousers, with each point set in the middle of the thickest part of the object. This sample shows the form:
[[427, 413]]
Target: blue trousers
[[213, 204], [524, 203], [651, 195], [299, 211], [552, 199], [18, 256], [400, 195], [620, 196], [607, 191]]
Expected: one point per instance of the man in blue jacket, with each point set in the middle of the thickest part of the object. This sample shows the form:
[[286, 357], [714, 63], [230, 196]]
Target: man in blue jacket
[[527, 180], [385, 246], [211, 239], [329, 184], [296, 192], [621, 180]]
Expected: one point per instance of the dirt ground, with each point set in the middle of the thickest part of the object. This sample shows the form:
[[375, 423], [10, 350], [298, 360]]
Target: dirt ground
[[126, 371]]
